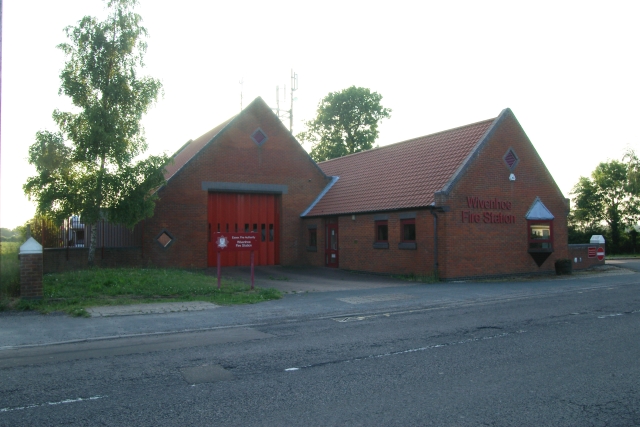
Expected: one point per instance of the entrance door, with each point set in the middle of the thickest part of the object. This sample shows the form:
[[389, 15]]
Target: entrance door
[[245, 213], [331, 246]]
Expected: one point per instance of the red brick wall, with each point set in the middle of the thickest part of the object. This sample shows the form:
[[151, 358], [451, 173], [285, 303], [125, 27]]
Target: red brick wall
[[308, 256], [234, 157], [31, 276], [487, 249], [357, 236], [579, 255]]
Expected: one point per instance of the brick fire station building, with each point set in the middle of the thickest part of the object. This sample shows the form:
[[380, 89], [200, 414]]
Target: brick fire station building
[[472, 201]]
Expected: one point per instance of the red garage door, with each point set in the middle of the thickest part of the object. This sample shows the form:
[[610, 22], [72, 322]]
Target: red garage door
[[245, 213]]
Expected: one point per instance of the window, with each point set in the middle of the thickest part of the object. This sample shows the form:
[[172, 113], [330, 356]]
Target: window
[[382, 231], [312, 245], [540, 236], [313, 237], [539, 232], [408, 236], [382, 235], [408, 230]]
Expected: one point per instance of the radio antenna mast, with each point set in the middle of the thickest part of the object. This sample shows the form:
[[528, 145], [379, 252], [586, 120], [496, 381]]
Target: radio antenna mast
[[294, 87], [241, 87], [285, 113]]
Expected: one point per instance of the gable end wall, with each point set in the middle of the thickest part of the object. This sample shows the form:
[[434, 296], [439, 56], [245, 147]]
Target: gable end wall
[[471, 249], [233, 157]]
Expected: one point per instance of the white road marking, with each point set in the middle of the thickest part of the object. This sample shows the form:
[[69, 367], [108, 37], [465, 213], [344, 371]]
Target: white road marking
[[38, 405], [412, 350], [374, 298]]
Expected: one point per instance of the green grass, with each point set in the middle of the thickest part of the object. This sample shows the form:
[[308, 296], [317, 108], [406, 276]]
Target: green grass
[[72, 292], [9, 272]]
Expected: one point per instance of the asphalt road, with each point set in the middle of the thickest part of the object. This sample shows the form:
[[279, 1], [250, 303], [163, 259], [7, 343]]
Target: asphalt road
[[631, 263], [554, 359]]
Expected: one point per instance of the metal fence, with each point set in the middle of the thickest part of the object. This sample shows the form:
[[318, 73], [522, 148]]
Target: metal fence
[[73, 233]]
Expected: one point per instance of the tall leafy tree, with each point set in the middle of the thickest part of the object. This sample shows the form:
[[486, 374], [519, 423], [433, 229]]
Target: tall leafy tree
[[347, 122], [89, 166], [633, 170], [609, 196]]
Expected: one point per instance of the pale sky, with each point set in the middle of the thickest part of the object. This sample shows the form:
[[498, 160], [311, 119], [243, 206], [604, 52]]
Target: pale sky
[[569, 71]]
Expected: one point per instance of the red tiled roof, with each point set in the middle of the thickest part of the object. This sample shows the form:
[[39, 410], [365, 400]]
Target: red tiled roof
[[190, 149], [402, 175]]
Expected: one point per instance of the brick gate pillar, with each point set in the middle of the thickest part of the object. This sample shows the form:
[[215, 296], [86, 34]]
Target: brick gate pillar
[[31, 267]]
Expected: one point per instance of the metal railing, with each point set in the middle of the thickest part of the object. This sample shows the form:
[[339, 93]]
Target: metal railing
[[74, 233]]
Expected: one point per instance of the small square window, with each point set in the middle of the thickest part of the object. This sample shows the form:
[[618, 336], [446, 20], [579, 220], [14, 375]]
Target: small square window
[[540, 236], [408, 230], [408, 234], [313, 240], [381, 240], [382, 231]]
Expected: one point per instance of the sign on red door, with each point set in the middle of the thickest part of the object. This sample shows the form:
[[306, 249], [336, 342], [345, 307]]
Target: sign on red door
[[246, 214]]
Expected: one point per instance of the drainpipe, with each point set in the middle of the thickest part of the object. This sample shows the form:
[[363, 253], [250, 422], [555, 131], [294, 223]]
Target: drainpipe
[[435, 243]]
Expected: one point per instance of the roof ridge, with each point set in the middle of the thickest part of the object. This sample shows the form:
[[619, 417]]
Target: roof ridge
[[495, 122], [411, 139], [220, 128]]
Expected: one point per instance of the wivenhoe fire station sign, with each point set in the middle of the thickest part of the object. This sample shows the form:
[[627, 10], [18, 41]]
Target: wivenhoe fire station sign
[[484, 211], [236, 242]]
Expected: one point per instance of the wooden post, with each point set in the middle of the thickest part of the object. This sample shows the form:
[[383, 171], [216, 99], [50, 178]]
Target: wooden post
[[218, 269], [251, 270]]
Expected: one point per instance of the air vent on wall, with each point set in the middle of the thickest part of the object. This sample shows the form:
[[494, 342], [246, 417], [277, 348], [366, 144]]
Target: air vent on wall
[[259, 137], [511, 159], [164, 239]]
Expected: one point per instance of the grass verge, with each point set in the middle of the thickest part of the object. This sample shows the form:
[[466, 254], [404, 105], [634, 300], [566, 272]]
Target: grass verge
[[72, 292], [9, 272]]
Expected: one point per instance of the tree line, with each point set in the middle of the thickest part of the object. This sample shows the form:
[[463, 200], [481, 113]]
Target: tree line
[[608, 203]]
